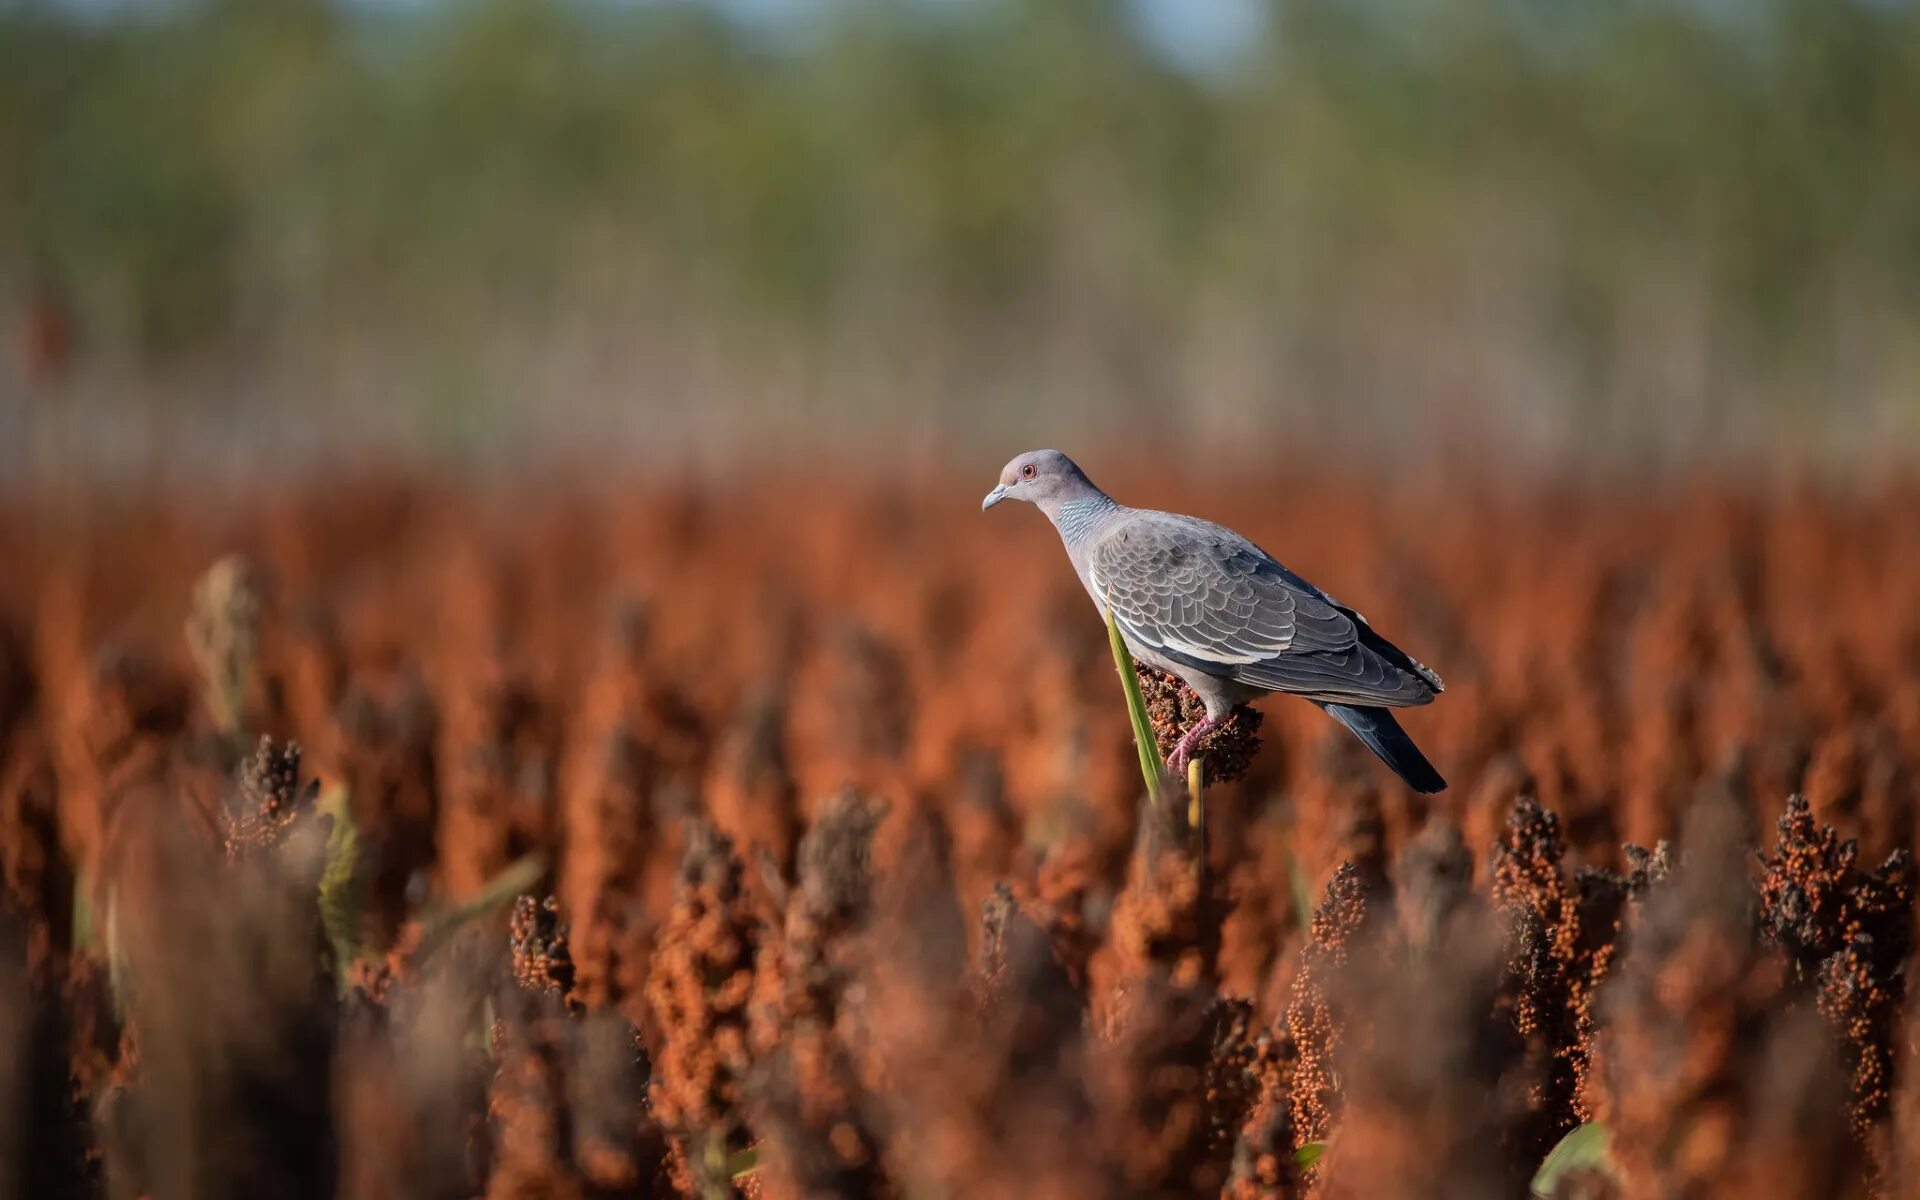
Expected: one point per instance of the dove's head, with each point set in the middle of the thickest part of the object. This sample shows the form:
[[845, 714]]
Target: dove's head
[[1044, 477]]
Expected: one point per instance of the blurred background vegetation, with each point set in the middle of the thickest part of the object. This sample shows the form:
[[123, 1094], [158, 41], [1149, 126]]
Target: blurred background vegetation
[[1638, 232]]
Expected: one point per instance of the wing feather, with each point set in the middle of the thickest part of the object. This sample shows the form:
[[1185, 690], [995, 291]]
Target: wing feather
[[1203, 596]]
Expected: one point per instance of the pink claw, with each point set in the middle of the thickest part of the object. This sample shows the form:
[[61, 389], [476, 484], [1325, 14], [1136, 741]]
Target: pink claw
[[1188, 743]]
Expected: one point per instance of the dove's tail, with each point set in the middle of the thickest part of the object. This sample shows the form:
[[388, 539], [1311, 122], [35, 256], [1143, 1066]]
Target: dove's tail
[[1383, 735]]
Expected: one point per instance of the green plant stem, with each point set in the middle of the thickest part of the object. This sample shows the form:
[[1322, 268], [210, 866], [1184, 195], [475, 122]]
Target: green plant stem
[[1197, 817], [519, 875], [1151, 768], [716, 1176]]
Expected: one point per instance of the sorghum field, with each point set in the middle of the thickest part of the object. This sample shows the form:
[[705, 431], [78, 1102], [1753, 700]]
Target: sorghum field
[[378, 837]]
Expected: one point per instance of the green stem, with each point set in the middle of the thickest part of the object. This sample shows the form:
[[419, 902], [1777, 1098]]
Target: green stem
[[518, 876], [1151, 768]]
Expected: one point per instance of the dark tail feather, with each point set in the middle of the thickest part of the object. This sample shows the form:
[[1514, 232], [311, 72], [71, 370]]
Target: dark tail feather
[[1383, 735]]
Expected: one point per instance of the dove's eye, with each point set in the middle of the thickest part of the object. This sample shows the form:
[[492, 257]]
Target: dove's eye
[[1026, 471]]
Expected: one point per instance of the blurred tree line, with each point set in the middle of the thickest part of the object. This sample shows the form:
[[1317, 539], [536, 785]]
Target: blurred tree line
[[1644, 198]]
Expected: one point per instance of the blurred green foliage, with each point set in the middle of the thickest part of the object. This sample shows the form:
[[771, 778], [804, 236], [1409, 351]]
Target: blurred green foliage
[[245, 173]]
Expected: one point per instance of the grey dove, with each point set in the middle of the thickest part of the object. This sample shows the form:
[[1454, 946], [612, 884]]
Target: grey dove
[[1198, 600]]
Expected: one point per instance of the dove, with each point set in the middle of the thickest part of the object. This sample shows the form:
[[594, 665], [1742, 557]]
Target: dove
[[1200, 601]]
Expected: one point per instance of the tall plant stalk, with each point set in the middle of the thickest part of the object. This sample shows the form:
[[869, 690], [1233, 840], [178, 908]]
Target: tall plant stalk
[[1152, 769]]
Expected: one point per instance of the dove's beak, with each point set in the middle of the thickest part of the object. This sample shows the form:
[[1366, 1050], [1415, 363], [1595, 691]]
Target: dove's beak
[[994, 497]]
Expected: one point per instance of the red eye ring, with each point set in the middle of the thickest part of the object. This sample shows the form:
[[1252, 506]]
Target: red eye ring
[[1026, 470]]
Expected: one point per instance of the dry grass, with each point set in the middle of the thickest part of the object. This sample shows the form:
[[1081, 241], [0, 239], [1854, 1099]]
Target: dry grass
[[846, 871]]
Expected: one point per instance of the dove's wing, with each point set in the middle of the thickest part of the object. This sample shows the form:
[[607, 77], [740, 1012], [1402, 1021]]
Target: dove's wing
[[1203, 596]]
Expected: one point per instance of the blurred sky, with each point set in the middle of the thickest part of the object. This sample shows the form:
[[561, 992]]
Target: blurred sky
[[1201, 36], [1204, 37]]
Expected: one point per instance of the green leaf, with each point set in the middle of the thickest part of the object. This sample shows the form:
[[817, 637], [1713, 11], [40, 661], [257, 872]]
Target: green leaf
[[1151, 768], [340, 899], [516, 877], [742, 1163], [117, 981], [1308, 1155], [1585, 1148]]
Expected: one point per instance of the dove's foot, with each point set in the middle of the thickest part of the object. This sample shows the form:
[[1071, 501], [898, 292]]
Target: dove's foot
[[1188, 743]]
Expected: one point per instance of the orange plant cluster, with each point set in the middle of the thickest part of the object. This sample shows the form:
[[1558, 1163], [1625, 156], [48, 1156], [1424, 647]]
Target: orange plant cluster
[[842, 883]]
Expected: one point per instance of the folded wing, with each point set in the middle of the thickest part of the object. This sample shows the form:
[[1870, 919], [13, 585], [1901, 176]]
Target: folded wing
[[1205, 597]]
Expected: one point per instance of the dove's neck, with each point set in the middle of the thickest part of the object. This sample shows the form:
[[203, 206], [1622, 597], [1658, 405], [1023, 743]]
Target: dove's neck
[[1083, 516]]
